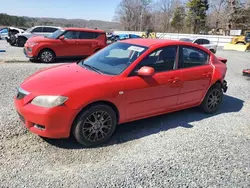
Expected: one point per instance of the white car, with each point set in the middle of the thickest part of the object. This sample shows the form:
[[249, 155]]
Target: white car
[[35, 31], [203, 42]]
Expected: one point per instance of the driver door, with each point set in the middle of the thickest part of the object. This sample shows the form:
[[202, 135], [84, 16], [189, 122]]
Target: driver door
[[147, 96]]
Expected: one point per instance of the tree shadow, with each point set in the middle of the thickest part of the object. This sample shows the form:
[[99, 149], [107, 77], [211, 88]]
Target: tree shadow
[[142, 128]]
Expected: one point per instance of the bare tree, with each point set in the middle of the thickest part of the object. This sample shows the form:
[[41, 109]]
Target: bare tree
[[164, 10], [134, 14]]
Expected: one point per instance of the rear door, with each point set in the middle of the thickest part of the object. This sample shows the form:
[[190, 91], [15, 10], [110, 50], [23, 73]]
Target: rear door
[[87, 42], [196, 74]]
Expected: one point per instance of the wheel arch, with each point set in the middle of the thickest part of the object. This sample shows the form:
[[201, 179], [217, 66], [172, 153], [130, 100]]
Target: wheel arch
[[101, 102], [45, 48]]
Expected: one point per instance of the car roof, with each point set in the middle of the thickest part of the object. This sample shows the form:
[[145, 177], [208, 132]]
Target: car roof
[[46, 26], [84, 29], [153, 42], [160, 42]]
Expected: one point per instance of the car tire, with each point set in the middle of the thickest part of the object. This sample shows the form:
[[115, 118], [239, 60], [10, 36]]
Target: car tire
[[95, 125], [21, 41], [46, 56], [213, 99]]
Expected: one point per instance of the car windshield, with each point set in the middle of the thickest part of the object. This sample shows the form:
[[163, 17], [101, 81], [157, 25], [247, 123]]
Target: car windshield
[[56, 34], [114, 59], [185, 40]]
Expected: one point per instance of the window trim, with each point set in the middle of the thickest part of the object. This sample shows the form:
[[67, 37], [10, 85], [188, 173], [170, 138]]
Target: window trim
[[132, 73], [198, 49]]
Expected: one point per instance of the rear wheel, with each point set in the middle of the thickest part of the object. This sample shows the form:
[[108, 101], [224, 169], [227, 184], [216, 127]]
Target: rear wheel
[[213, 99], [46, 56], [95, 125]]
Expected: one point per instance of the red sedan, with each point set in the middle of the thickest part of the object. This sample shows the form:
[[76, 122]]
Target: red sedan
[[126, 81]]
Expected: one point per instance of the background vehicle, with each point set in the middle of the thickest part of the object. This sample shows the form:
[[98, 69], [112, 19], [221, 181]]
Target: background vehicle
[[12, 35], [240, 42], [246, 72], [68, 42], [203, 42], [3, 33], [34, 31], [126, 81], [149, 34]]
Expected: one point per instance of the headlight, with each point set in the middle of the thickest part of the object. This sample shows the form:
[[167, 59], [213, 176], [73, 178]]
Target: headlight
[[32, 44], [49, 101]]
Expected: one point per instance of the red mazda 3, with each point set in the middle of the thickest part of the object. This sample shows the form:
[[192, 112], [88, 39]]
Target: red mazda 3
[[125, 81]]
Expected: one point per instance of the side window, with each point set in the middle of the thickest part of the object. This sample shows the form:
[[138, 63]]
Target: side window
[[192, 57], [49, 29], [71, 35], [88, 35], [198, 41], [205, 41], [161, 60], [37, 30]]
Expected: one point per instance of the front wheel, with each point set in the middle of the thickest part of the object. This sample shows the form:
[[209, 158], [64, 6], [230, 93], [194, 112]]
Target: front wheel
[[213, 99], [46, 56], [95, 125]]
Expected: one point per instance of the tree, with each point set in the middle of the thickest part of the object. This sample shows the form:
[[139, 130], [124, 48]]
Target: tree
[[197, 14], [134, 14], [178, 18]]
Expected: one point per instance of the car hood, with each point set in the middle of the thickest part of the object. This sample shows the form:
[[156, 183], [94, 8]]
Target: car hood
[[62, 79], [39, 39]]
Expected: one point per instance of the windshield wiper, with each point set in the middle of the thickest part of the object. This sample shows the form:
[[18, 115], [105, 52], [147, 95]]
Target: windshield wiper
[[93, 68]]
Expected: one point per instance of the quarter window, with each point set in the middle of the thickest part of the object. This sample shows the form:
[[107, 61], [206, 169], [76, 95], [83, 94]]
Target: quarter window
[[192, 57], [161, 60]]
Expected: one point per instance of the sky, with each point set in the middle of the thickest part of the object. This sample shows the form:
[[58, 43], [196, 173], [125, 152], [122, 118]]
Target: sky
[[83, 9]]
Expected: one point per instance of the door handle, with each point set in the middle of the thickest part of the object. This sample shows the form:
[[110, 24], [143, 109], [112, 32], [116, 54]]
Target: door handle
[[174, 80], [207, 74]]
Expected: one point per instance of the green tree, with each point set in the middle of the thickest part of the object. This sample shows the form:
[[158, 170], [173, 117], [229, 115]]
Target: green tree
[[197, 14], [178, 19]]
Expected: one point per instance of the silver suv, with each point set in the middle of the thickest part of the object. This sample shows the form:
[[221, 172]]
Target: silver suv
[[34, 31]]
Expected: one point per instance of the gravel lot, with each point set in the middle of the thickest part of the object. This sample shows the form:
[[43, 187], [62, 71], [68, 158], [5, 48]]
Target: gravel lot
[[183, 149]]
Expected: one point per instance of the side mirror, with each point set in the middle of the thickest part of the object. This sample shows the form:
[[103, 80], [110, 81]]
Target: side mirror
[[146, 71], [61, 37]]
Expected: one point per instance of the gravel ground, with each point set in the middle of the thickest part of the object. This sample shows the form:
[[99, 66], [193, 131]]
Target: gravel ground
[[13, 53], [183, 149]]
